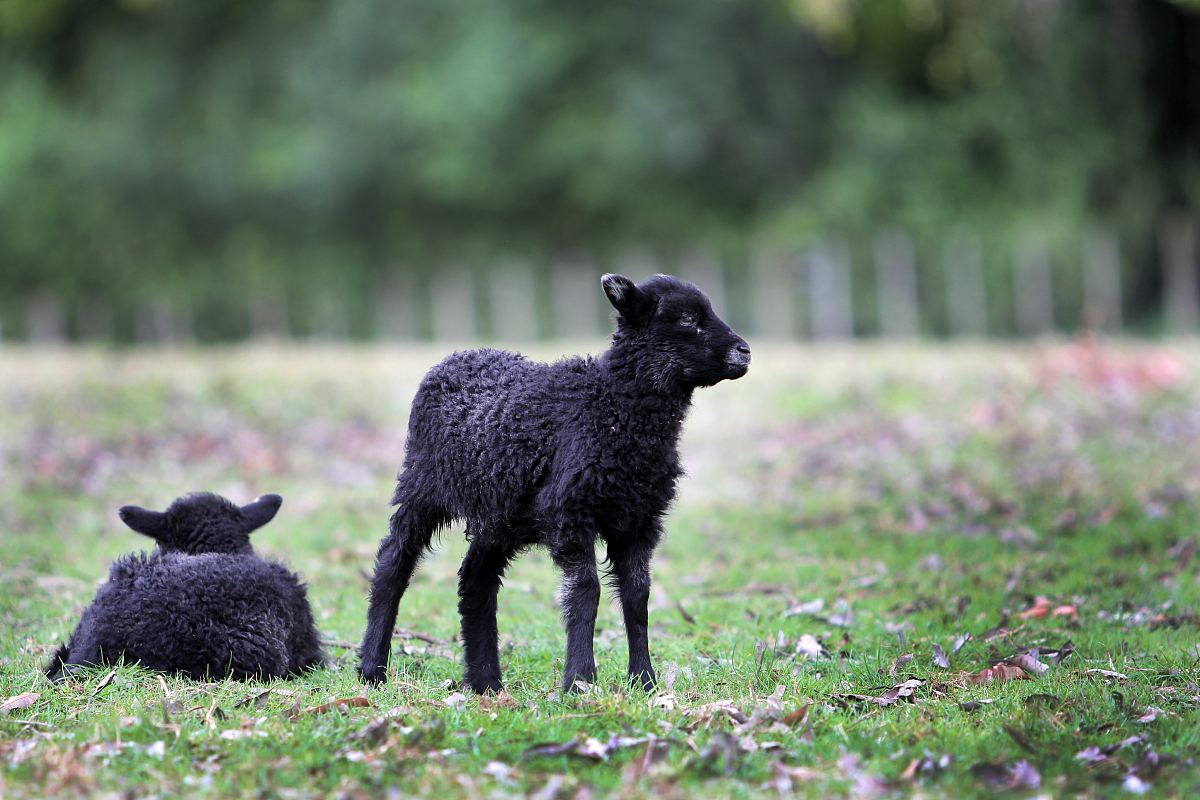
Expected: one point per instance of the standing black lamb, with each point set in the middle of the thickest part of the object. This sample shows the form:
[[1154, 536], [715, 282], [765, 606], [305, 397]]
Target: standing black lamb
[[202, 604], [559, 455]]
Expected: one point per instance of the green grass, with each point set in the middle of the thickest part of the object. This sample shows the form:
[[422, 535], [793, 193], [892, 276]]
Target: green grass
[[932, 491]]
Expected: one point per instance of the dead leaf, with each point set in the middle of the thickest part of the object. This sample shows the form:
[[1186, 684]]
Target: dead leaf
[[340, 704], [1150, 714], [1000, 776], [373, 735], [1039, 610], [1000, 672], [17, 702], [808, 646], [796, 717], [960, 642], [900, 664], [810, 607], [488, 702], [457, 700], [683, 612], [590, 748], [1029, 662], [939, 657], [1108, 673], [926, 766]]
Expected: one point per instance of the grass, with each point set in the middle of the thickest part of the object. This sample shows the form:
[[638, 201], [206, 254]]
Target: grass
[[915, 494]]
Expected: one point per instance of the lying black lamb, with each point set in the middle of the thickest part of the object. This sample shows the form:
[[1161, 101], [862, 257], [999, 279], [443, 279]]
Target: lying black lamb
[[202, 604]]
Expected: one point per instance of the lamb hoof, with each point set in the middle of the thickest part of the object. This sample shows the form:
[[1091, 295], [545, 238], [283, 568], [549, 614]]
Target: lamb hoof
[[484, 685], [644, 679], [372, 676], [578, 683]]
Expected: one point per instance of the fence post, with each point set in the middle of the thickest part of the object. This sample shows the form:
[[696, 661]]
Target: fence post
[[396, 307], [453, 304], [94, 321], [896, 285], [774, 302], [1033, 290], [512, 294], [44, 319], [830, 306], [268, 311], [576, 297], [966, 293], [1101, 280], [1177, 245]]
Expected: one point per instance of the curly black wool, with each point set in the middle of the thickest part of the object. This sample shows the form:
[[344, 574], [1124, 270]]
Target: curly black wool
[[202, 604], [557, 455]]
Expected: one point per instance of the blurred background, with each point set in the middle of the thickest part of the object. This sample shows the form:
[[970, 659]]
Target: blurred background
[[178, 171]]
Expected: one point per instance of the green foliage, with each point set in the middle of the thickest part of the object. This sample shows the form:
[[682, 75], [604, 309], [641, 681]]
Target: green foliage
[[153, 150]]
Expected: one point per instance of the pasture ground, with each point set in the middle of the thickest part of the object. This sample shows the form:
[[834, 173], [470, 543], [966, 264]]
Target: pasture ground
[[851, 514]]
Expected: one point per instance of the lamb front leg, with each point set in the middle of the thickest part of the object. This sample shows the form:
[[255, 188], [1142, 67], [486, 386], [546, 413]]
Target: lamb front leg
[[580, 598], [630, 571]]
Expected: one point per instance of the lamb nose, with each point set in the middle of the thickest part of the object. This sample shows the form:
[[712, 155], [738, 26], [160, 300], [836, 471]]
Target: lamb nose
[[743, 348]]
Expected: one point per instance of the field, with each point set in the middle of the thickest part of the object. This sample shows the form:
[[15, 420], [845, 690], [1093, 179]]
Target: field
[[891, 570]]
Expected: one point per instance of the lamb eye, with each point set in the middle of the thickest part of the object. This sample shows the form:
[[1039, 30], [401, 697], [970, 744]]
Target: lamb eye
[[687, 321]]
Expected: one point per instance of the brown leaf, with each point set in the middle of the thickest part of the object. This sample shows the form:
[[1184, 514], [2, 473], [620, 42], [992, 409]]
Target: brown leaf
[[796, 717], [23, 700], [683, 612], [1000, 672], [340, 704], [489, 702], [1039, 610], [901, 663]]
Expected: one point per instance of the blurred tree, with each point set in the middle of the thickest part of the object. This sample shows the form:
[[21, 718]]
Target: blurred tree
[[201, 153]]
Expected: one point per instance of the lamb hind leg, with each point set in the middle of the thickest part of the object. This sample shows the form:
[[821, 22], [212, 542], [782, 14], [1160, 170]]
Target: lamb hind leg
[[479, 581], [630, 571], [580, 599], [413, 526]]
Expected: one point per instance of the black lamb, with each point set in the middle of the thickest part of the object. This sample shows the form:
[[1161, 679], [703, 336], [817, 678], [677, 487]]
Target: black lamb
[[559, 455], [202, 604]]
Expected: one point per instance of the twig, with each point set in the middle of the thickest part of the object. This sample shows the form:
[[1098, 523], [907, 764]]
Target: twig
[[28, 722]]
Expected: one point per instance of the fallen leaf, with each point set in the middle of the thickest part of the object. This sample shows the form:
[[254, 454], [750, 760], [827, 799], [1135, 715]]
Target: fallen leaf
[[683, 612], [808, 646], [340, 704], [23, 700], [589, 748], [1029, 662], [901, 663], [457, 700], [1108, 673], [1000, 672], [811, 607], [939, 657], [1150, 714], [960, 642], [1039, 610], [489, 702], [1000, 776], [796, 717]]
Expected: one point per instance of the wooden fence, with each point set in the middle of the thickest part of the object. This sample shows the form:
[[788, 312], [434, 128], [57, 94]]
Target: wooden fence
[[885, 286]]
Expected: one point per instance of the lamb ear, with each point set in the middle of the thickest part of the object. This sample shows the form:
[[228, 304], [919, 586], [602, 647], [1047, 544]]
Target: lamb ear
[[633, 304], [261, 511], [144, 521]]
